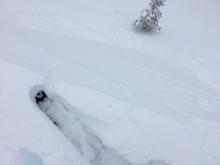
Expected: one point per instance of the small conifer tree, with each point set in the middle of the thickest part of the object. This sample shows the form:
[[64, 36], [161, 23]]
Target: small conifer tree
[[149, 18]]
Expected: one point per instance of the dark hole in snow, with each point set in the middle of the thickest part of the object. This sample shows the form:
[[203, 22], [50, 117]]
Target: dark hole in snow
[[55, 123], [40, 96]]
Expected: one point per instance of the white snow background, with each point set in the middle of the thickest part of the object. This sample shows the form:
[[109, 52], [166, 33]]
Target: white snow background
[[149, 96]]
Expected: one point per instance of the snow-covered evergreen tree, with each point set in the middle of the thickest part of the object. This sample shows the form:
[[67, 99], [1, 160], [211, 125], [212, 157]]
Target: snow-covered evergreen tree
[[149, 18]]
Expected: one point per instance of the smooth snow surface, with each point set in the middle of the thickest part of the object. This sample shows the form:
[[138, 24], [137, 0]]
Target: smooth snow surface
[[147, 96], [25, 157]]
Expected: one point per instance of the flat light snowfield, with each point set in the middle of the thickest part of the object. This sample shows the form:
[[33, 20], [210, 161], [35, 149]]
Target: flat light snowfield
[[118, 96]]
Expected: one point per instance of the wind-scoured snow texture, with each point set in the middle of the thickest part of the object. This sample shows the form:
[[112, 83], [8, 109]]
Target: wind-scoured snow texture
[[22, 126]]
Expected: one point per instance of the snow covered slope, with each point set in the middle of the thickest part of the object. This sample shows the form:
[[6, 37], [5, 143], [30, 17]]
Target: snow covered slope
[[25, 134], [157, 95], [141, 135]]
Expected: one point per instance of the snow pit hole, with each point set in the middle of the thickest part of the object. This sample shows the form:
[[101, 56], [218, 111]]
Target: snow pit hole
[[38, 94]]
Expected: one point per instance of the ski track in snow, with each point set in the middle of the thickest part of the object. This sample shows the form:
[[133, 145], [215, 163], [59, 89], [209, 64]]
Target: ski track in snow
[[89, 145]]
